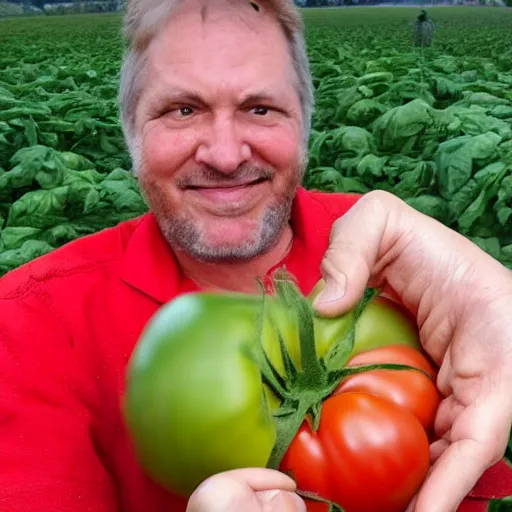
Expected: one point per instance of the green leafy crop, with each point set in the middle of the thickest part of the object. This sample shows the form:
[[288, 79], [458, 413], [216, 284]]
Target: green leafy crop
[[431, 125]]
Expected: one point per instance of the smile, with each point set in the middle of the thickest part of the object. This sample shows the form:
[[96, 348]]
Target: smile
[[229, 198], [228, 186]]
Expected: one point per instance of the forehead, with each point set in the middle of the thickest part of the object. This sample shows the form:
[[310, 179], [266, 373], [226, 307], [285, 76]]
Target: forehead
[[217, 43]]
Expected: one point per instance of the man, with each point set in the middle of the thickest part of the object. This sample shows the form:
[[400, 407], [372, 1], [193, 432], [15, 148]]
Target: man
[[423, 31], [216, 104]]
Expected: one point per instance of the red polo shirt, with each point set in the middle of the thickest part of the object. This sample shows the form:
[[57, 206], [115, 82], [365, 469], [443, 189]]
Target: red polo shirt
[[68, 324]]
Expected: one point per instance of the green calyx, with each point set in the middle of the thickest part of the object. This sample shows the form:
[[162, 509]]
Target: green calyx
[[302, 391]]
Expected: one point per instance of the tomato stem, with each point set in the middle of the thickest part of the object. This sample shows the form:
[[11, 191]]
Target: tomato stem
[[333, 507], [269, 374], [340, 352], [339, 375], [302, 392], [287, 426], [311, 365], [316, 412], [289, 367]]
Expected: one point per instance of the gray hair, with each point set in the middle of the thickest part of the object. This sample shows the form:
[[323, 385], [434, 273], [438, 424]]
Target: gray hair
[[143, 20]]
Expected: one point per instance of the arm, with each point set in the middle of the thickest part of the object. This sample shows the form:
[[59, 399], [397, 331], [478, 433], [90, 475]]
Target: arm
[[48, 458]]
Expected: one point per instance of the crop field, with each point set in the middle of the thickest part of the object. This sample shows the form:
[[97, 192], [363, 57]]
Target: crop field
[[432, 125]]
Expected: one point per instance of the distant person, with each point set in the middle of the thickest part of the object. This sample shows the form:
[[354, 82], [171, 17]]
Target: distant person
[[423, 31], [216, 99]]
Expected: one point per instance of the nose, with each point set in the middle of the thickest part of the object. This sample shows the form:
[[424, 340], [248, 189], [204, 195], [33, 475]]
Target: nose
[[222, 146]]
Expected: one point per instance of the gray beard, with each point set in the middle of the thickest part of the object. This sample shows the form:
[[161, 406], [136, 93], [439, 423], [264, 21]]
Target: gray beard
[[182, 233]]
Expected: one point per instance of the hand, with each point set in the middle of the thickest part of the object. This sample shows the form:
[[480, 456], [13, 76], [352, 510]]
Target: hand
[[462, 300], [247, 490]]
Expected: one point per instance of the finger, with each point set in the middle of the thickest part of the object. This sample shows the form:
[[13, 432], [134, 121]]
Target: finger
[[223, 494], [478, 439], [411, 506], [445, 373], [235, 490], [437, 448], [281, 501], [354, 252], [453, 475], [447, 412], [261, 479]]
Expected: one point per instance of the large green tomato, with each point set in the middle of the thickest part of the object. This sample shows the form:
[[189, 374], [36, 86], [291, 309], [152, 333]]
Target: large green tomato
[[195, 402]]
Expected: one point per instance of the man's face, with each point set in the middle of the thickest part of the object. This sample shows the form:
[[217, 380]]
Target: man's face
[[220, 131]]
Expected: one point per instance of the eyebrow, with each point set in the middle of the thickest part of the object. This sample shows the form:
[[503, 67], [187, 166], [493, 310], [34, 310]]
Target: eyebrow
[[179, 94]]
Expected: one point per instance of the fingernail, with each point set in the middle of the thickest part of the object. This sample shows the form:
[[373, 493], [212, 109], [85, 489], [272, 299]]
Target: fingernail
[[277, 501], [268, 496], [334, 290]]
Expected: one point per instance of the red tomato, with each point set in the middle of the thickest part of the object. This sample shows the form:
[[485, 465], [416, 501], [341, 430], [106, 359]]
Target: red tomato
[[371, 450], [367, 455], [409, 389]]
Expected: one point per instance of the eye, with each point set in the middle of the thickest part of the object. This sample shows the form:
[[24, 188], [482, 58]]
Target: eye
[[260, 111], [184, 111]]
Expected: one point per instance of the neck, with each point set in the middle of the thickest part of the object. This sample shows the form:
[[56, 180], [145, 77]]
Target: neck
[[235, 276]]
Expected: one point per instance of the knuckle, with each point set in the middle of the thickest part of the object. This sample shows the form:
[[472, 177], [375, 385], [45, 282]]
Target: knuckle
[[382, 197], [210, 488]]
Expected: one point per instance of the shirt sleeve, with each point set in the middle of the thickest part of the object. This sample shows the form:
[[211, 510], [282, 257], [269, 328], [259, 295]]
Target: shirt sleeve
[[48, 460]]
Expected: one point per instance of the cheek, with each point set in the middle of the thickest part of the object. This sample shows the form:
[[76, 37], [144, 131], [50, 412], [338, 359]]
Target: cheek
[[164, 151], [281, 149]]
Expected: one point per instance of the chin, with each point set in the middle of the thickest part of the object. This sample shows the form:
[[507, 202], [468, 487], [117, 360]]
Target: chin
[[225, 231], [207, 237], [225, 240], [235, 241]]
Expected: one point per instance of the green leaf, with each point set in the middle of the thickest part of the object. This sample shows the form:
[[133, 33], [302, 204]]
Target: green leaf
[[474, 211], [49, 139], [484, 146], [491, 172], [500, 505], [59, 235], [356, 140], [331, 180], [365, 111], [28, 251], [454, 170], [14, 238], [504, 215], [434, 206], [463, 198], [30, 131], [397, 125], [40, 209], [490, 245], [23, 112], [371, 167], [506, 259], [17, 178], [92, 200], [417, 181]]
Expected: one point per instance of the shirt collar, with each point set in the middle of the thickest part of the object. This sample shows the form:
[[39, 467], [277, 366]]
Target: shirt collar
[[150, 267], [148, 264]]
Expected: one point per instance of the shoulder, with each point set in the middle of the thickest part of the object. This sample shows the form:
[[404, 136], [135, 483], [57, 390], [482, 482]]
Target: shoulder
[[65, 266]]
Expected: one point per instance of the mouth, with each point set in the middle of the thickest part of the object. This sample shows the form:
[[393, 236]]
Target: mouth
[[229, 198], [226, 186]]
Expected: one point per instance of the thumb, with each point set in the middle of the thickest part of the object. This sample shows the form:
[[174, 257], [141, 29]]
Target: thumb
[[357, 252]]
